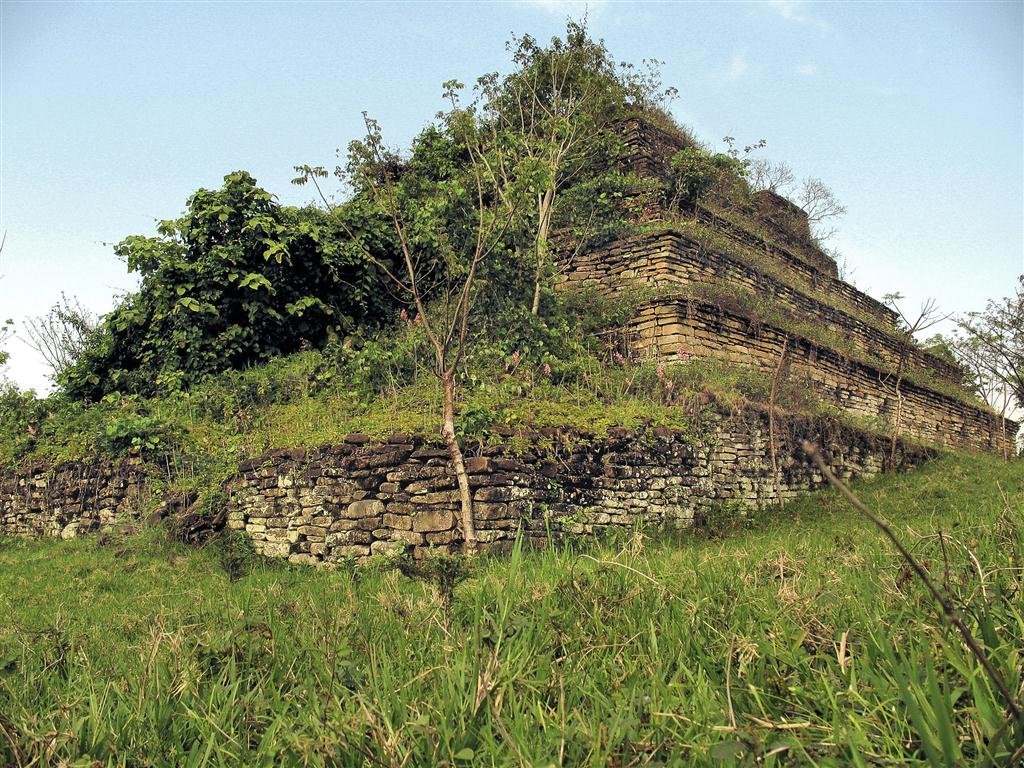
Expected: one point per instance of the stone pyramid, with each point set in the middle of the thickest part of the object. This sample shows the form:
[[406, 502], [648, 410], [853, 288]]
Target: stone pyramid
[[751, 287]]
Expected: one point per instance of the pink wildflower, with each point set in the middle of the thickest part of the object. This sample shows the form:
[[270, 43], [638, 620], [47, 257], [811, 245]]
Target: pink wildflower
[[619, 358], [547, 369], [404, 315], [661, 371], [683, 354]]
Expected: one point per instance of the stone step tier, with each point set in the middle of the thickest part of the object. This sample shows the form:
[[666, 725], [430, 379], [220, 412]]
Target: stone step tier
[[363, 497], [664, 327], [649, 153], [667, 258], [790, 245]]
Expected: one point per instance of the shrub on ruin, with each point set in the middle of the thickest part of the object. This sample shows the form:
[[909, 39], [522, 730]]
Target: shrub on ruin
[[696, 173], [237, 280]]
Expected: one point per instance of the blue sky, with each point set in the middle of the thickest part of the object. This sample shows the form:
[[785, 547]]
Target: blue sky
[[113, 113]]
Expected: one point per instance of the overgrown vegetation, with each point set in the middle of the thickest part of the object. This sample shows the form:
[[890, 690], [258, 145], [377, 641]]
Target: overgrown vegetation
[[796, 638], [424, 302], [990, 346], [237, 280], [579, 377]]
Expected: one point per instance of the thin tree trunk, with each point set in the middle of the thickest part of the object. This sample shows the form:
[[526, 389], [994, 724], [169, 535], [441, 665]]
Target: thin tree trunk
[[898, 420], [544, 203], [458, 463], [1002, 435], [771, 424]]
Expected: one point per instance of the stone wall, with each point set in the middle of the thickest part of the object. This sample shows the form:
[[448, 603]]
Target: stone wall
[[649, 153], [785, 231], [649, 149], [71, 498], [361, 497], [666, 257], [663, 327]]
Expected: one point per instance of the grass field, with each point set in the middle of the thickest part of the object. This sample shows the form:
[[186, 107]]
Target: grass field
[[797, 639]]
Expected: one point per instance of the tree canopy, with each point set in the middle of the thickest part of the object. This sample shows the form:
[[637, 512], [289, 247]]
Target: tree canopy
[[236, 280], [239, 279]]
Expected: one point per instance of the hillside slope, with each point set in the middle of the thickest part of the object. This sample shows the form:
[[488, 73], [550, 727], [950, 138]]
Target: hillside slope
[[796, 638]]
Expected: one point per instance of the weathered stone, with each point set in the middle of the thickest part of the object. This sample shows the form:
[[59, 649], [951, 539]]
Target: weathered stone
[[282, 534], [386, 547], [440, 497], [408, 537], [485, 511], [352, 551], [430, 484], [365, 508], [443, 537], [276, 549], [476, 464], [433, 520], [397, 522]]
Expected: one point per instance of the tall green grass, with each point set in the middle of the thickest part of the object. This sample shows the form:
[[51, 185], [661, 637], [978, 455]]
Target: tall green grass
[[798, 639]]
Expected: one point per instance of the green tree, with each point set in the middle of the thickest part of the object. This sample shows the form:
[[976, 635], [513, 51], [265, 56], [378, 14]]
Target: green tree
[[556, 115], [236, 280], [6, 330], [450, 224], [62, 335], [696, 173], [990, 345], [998, 334], [907, 328]]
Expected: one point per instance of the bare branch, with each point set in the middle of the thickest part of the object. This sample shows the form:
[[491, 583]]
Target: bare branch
[[948, 610]]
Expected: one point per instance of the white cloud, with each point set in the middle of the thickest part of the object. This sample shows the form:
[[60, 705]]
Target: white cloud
[[793, 10], [807, 70], [738, 66]]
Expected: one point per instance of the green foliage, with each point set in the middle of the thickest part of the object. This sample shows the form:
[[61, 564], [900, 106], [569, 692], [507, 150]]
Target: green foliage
[[133, 432], [235, 553], [238, 279], [991, 346], [567, 369], [62, 335], [941, 347], [799, 640], [595, 210], [696, 173], [556, 117], [20, 415], [6, 329]]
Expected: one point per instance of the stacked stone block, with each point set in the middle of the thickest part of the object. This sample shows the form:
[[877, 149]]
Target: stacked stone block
[[662, 328], [71, 498], [364, 497], [361, 498], [666, 258], [745, 309]]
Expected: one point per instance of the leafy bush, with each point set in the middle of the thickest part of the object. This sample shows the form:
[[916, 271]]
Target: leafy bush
[[133, 432], [237, 280], [20, 413], [695, 173]]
